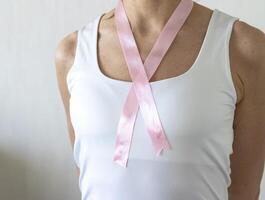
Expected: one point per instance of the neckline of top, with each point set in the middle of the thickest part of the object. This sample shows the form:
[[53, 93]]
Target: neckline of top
[[157, 82]]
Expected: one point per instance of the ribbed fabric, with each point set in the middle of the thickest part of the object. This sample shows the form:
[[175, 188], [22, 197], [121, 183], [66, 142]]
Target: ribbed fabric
[[196, 109]]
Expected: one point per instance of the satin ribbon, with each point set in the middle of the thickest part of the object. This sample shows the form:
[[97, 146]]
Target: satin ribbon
[[140, 94]]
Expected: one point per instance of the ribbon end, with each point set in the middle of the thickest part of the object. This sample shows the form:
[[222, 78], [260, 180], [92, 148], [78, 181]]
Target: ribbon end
[[160, 151], [120, 162], [160, 142]]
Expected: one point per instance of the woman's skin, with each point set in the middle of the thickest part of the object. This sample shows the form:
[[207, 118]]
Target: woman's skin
[[247, 59]]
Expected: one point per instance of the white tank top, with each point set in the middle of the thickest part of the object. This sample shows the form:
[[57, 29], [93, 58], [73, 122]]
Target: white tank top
[[196, 109]]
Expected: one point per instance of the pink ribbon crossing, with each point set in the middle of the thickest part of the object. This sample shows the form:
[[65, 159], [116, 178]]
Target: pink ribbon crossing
[[140, 94]]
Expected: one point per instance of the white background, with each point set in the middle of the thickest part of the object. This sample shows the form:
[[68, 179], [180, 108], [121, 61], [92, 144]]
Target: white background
[[36, 161]]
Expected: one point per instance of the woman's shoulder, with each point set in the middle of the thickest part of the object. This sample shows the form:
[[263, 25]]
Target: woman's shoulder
[[66, 47], [65, 52]]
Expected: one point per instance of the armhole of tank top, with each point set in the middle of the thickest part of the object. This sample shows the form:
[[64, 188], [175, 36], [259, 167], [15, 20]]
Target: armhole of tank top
[[227, 56], [74, 65]]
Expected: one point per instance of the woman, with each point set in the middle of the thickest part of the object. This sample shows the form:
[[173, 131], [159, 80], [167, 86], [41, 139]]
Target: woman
[[209, 93]]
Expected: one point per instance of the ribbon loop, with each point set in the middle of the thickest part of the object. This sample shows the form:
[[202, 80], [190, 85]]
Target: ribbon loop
[[140, 94]]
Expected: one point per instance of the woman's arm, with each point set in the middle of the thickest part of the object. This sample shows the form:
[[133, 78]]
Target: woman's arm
[[64, 57], [247, 56]]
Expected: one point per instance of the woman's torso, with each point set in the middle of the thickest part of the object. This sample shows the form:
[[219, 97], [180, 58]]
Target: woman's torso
[[196, 108]]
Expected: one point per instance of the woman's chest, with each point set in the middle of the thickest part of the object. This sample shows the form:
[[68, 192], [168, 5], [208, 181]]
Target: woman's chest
[[185, 106]]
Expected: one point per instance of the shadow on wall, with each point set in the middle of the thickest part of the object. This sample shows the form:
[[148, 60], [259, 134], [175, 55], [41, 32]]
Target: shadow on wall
[[20, 179], [13, 180]]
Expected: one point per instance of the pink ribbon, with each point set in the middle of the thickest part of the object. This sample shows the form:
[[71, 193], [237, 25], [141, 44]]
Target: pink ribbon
[[140, 95]]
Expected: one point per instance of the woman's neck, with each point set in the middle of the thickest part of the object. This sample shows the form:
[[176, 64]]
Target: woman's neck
[[149, 14]]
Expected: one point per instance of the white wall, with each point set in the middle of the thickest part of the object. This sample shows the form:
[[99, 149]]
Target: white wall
[[36, 160]]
